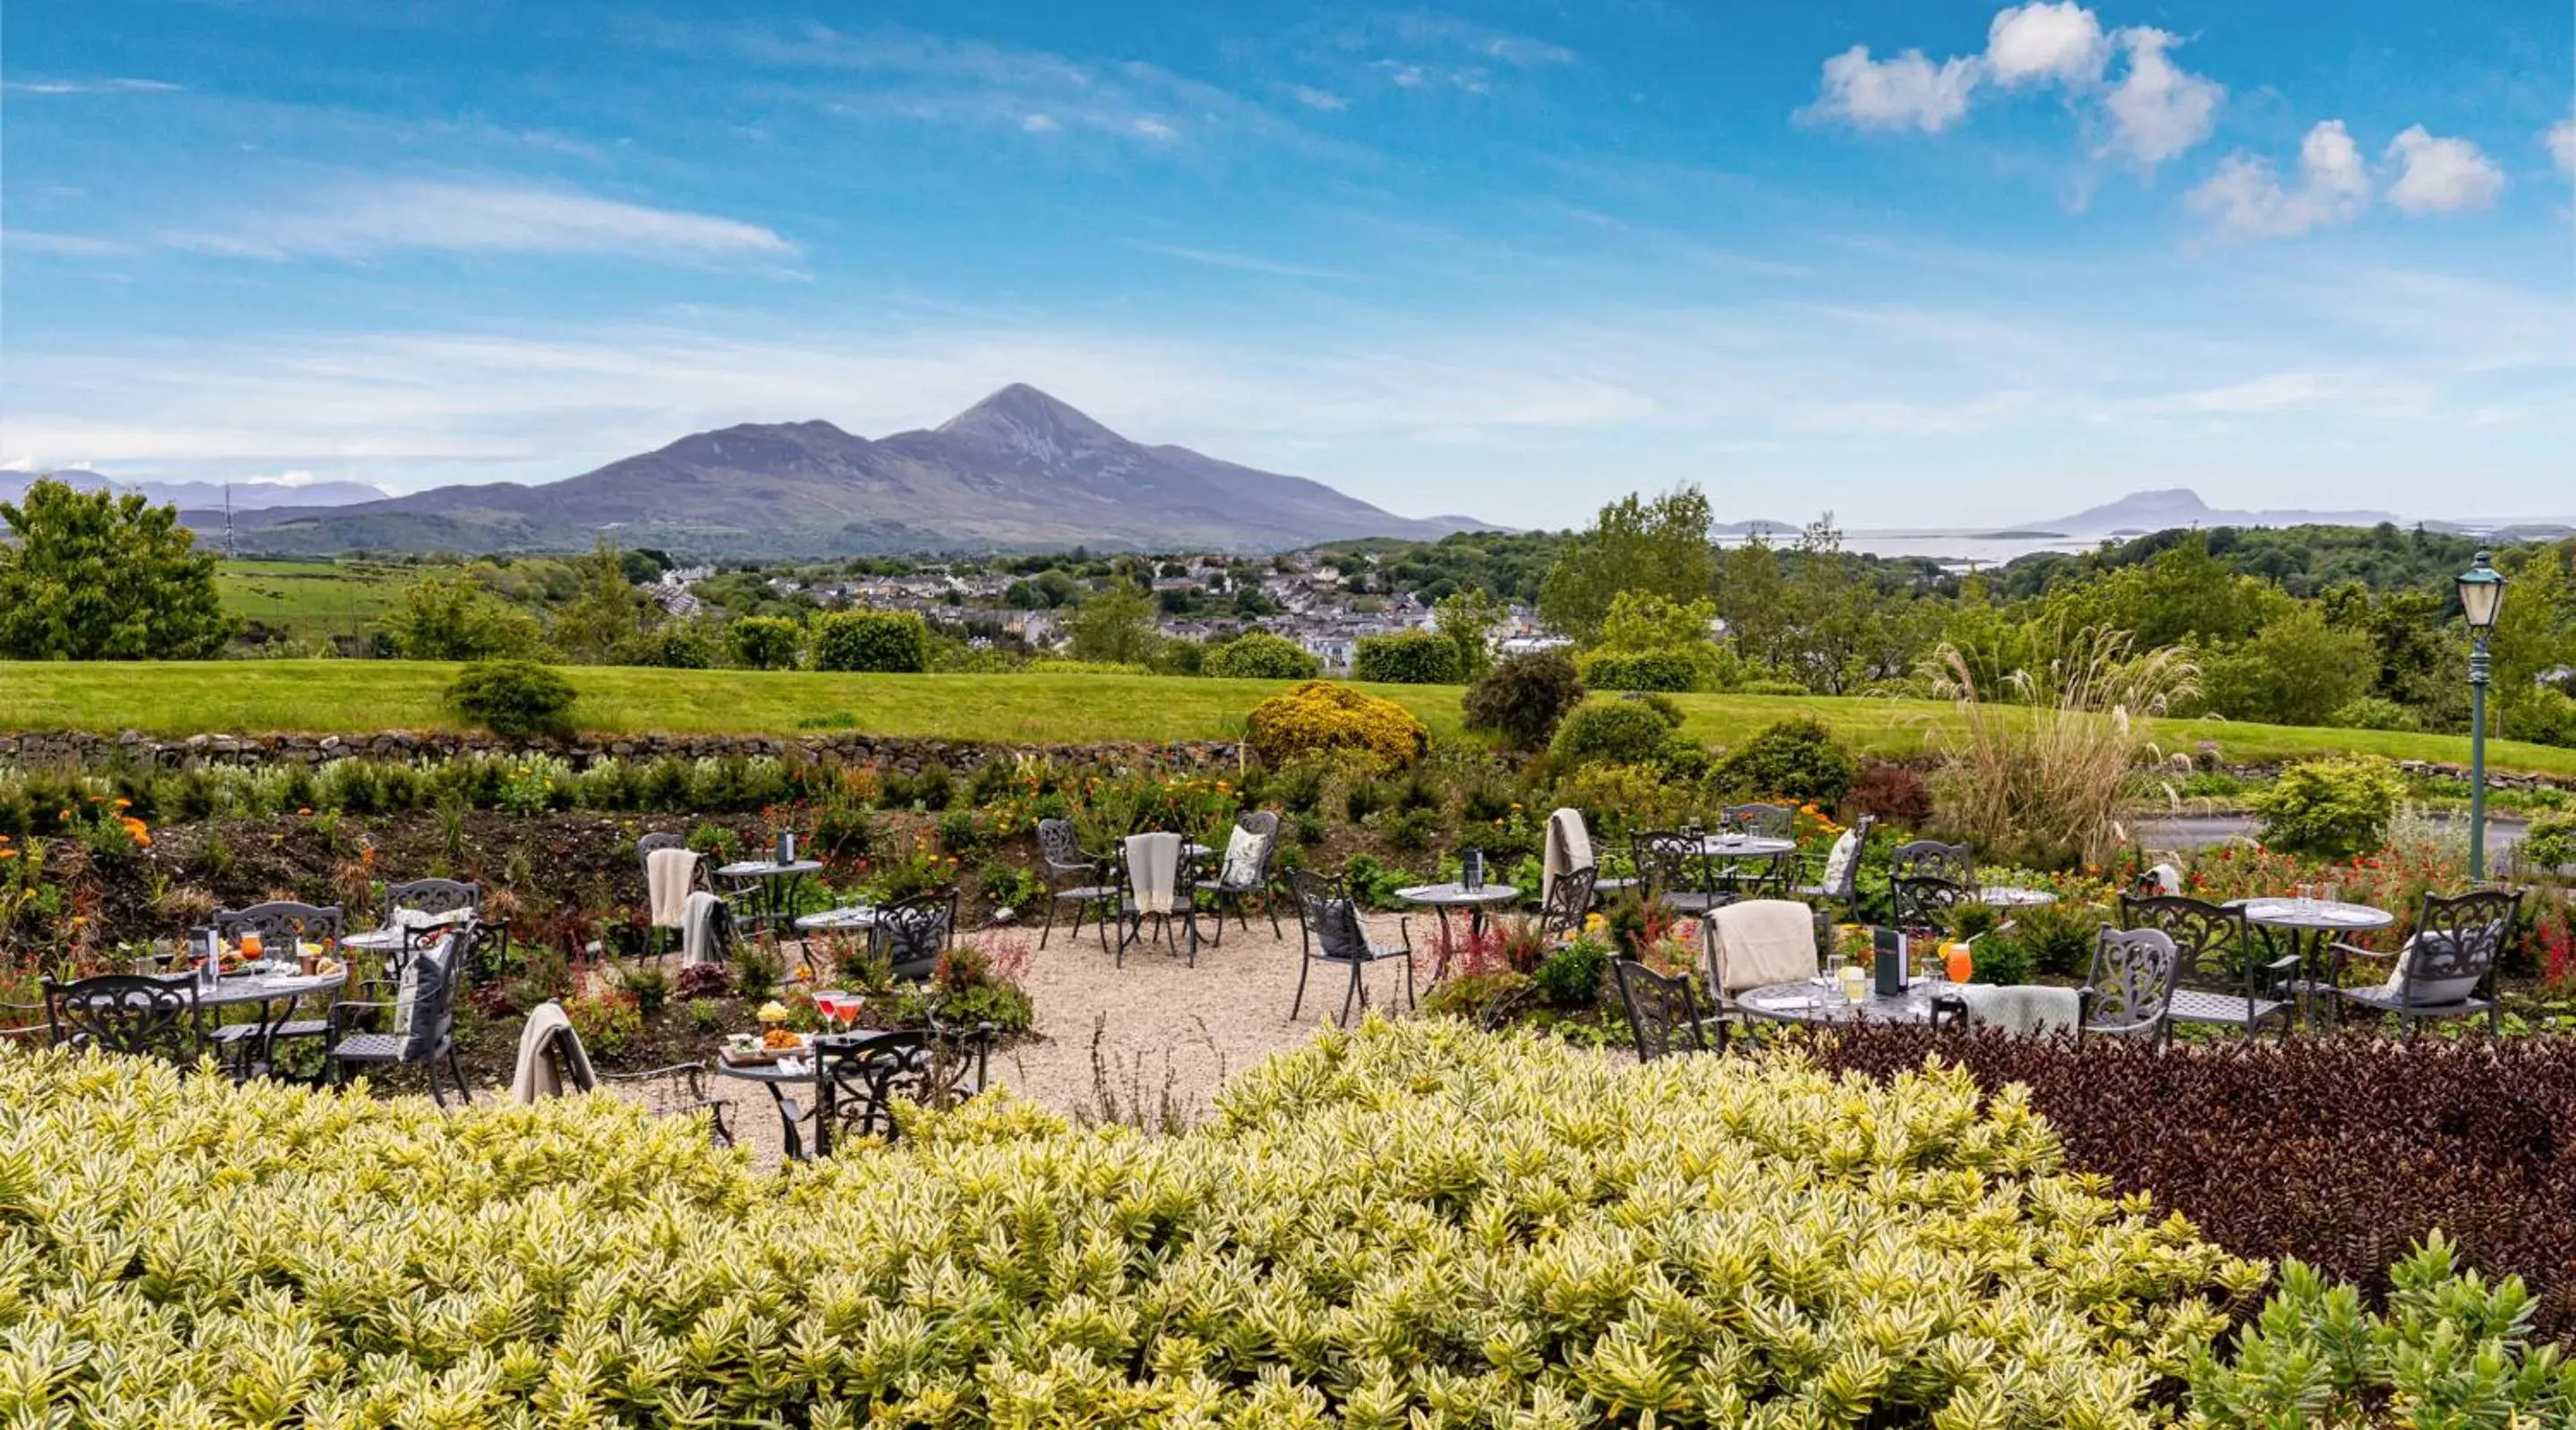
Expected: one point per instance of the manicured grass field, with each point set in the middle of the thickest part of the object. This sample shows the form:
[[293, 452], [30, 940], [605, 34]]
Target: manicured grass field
[[244, 697], [310, 600]]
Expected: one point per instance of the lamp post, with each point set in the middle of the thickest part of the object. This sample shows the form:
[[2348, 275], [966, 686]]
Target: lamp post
[[2481, 595]]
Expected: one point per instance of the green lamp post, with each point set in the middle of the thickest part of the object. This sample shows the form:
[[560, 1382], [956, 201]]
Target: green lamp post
[[2481, 596]]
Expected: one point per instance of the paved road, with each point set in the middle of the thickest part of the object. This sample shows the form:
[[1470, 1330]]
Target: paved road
[[2199, 831]]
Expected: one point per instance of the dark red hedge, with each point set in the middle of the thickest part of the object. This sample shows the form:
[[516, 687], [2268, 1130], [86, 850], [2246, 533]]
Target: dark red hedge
[[2342, 1152]]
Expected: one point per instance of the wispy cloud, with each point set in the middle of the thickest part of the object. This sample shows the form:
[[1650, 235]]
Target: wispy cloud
[[89, 86], [362, 218], [1242, 262], [62, 245]]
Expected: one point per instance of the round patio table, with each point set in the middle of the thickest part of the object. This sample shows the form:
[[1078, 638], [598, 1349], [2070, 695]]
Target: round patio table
[[776, 883], [1746, 846], [1815, 1001], [799, 1069], [276, 995], [1441, 898], [2005, 896], [390, 938], [853, 918], [2309, 927]]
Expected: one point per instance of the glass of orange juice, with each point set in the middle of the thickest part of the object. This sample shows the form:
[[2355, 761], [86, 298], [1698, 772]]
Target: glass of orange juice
[[1957, 962], [250, 944]]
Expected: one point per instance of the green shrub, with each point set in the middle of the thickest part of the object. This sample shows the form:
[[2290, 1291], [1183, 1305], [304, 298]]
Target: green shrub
[[2372, 712], [2333, 808], [1797, 760], [2452, 1350], [609, 1023], [763, 642], [681, 645], [1406, 658], [1523, 698], [758, 969], [649, 984], [513, 697], [2550, 841], [1768, 1247], [1672, 670], [1622, 732], [1259, 655], [871, 640], [1570, 978]]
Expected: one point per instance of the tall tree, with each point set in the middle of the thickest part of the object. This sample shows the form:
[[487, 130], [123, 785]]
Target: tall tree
[[1466, 618], [609, 615], [450, 617], [1633, 545], [97, 576], [1114, 624]]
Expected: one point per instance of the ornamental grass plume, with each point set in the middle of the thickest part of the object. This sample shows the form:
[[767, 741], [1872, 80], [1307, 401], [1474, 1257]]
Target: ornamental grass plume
[[2036, 768]]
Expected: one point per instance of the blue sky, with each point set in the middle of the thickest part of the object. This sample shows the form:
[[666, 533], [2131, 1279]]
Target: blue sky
[[1919, 263]]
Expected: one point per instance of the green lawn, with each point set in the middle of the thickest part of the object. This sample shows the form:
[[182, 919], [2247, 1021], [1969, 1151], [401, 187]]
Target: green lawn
[[345, 696], [310, 600]]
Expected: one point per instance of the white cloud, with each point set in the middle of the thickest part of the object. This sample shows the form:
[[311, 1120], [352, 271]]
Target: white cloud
[[2041, 41], [62, 245], [369, 217], [2158, 110], [1319, 99], [1907, 92], [1241, 262], [1040, 124], [2245, 198], [2440, 175], [90, 86], [297, 477], [2561, 140]]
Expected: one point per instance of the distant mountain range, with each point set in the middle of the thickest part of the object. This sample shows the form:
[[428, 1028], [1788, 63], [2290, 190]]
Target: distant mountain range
[[208, 496], [2182, 507], [1017, 471]]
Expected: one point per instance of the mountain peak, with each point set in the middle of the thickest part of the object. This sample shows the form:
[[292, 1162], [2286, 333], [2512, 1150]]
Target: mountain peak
[[1024, 419]]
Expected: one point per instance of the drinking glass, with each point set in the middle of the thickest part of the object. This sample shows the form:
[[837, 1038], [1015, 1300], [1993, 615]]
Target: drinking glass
[[1855, 985], [2307, 897], [2331, 893], [251, 946], [1835, 963]]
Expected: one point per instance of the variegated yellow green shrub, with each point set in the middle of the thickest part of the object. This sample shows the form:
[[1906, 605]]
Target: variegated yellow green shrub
[[1321, 717], [1415, 1225]]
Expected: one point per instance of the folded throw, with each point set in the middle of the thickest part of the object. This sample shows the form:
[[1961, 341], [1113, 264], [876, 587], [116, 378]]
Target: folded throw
[[539, 1075], [700, 940], [2025, 1008], [1754, 942], [1153, 867], [667, 876], [1569, 845]]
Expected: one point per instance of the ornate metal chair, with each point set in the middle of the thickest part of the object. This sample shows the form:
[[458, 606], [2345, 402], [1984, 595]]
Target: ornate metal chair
[[281, 925], [2128, 992], [1233, 888], [1329, 931], [1663, 1014], [2218, 979], [128, 1013], [911, 934], [1676, 872], [435, 896], [429, 1037], [861, 1076], [1568, 902], [1074, 877], [2446, 970], [1829, 885]]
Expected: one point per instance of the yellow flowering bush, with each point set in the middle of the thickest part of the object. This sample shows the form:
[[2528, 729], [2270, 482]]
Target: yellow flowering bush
[[1321, 715], [1420, 1224]]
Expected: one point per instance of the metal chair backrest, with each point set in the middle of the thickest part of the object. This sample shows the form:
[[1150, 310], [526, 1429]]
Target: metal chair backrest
[[1328, 918], [128, 1013], [1919, 901], [1932, 859], [2456, 946], [1847, 887], [2207, 937], [1769, 821], [914, 932], [2131, 980], [434, 896], [1568, 901], [281, 921], [1263, 825], [660, 839], [1662, 1013], [1669, 862], [1061, 850]]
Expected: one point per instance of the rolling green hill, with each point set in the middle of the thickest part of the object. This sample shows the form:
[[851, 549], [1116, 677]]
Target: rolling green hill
[[246, 697]]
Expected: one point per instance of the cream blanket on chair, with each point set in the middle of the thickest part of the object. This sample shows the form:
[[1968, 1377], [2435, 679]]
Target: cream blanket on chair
[[668, 873], [538, 1076], [1755, 942], [1569, 845], [1153, 867]]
